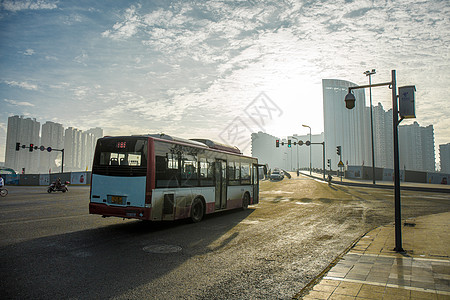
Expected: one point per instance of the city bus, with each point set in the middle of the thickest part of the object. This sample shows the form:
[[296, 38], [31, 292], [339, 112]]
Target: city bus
[[158, 177]]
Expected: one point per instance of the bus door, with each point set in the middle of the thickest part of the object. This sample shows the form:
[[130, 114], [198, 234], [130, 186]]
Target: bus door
[[220, 175], [255, 183]]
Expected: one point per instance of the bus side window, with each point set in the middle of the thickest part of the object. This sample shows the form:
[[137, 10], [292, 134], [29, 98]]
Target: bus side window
[[233, 173], [206, 172], [189, 172], [166, 175], [245, 173]]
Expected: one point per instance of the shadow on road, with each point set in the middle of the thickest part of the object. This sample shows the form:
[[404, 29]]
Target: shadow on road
[[107, 261]]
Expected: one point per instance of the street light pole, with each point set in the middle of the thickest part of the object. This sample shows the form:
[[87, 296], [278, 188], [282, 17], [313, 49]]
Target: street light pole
[[350, 104], [310, 140], [370, 73]]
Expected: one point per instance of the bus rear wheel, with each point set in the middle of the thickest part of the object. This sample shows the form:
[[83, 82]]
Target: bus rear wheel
[[197, 210]]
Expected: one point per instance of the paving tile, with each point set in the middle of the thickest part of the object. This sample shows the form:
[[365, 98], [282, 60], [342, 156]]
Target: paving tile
[[348, 288], [369, 295], [341, 297], [372, 288], [423, 295], [396, 293], [330, 282], [336, 274], [422, 285], [355, 276], [318, 295], [399, 282], [444, 288], [324, 288]]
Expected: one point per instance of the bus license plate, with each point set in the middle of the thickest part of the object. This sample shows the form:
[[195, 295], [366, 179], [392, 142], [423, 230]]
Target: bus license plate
[[116, 200]]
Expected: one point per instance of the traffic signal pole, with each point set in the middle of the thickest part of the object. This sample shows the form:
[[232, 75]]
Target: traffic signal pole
[[349, 103]]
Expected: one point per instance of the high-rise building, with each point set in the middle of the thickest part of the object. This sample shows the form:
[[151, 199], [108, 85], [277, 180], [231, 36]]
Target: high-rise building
[[72, 149], [263, 147], [97, 132], [287, 158], [52, 136], [344, 127], [416, 147], [303, 152], [383, 137], [25, 132], [444, 157]]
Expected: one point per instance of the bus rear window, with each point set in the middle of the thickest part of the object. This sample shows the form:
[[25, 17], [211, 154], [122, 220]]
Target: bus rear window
[[120, 159], [121, 152]]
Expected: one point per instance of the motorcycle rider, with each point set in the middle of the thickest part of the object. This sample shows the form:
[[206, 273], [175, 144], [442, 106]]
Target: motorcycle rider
[[58, 183]]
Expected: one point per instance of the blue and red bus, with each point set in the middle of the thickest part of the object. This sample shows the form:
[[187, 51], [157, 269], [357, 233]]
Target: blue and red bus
[[161, 178]]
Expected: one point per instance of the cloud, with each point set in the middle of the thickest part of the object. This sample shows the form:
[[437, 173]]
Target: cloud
[[18, 103], [82, 58], [28, 52], [23, 85], [28, 5], [128, 27]]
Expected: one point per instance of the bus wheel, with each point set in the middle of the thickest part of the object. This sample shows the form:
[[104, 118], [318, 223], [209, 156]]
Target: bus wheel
[[197, 210], [245, 201]]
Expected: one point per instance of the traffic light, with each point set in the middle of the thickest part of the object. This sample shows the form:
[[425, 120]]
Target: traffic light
[[31, 147], [329, 163], [338, 150], [289, 144], [277, 143], [17, 146]]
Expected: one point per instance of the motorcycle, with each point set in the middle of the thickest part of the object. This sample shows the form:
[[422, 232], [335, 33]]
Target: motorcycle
[[62, 188]]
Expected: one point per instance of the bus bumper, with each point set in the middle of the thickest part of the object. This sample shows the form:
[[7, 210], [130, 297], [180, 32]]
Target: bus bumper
[[129, 212]]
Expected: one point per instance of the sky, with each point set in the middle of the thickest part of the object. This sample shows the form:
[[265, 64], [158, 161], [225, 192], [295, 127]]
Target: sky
[[215, 69]]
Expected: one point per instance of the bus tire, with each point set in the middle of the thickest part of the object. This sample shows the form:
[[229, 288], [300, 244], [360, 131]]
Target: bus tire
[[197, 210], [245, 201]]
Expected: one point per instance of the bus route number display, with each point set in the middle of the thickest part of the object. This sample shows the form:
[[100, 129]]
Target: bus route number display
[[121, 145]]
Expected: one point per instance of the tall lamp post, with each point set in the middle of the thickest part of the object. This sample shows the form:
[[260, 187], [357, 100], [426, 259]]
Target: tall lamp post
[[310, 168], [350, 104], [370, 73]]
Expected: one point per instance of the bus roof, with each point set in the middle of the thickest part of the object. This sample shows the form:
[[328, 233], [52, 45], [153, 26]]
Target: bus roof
[[206, 143]]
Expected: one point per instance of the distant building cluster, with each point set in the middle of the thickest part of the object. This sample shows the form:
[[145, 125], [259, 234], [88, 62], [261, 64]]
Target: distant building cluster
[[78, 146], [444, 152], [350, 129]]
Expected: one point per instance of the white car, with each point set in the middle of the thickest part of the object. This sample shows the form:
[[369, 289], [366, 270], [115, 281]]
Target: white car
[[276, 175]]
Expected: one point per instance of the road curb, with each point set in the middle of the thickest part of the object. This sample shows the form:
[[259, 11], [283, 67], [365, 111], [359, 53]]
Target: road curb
[[316, 279]]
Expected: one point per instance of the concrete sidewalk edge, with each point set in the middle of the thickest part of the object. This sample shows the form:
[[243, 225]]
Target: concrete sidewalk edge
[[319, 276]]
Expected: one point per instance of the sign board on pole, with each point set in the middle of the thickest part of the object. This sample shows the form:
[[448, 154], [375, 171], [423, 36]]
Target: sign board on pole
[[340, 164], [406, 101]]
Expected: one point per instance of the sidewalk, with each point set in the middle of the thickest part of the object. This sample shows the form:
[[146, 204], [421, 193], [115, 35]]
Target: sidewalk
[[372, 270], [381, 184]]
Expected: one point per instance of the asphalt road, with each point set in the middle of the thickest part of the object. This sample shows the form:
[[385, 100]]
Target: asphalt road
[[50, 247]]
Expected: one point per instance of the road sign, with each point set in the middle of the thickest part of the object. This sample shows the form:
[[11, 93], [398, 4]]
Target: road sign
[[340, 164]]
